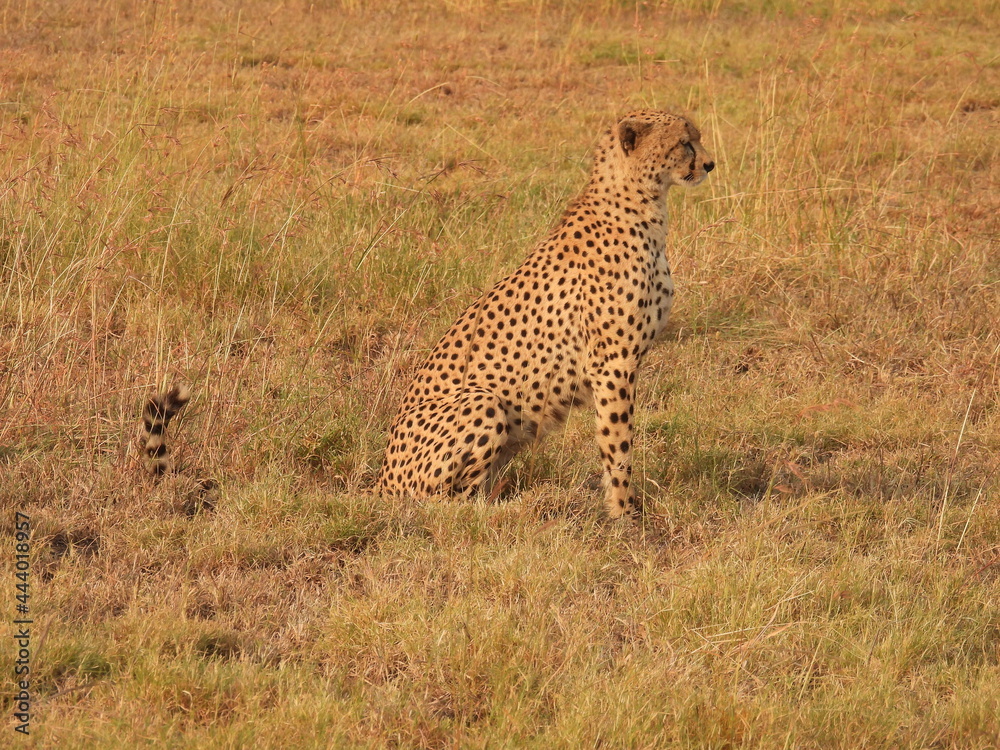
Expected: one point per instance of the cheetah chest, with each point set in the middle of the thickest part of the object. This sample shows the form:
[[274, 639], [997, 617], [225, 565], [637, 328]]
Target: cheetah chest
[[660, 296]]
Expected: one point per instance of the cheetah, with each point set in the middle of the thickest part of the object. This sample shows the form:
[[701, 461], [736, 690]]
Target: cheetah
[[156, 415], [569, 328], [197, 493]]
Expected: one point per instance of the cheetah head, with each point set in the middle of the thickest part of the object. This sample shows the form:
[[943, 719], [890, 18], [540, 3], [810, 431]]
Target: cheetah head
[[660, 150]]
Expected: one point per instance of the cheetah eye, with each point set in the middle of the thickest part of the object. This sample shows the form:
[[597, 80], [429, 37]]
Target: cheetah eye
[[689, 146]]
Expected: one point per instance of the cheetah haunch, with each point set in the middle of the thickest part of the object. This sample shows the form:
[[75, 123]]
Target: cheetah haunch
[[568, 328]]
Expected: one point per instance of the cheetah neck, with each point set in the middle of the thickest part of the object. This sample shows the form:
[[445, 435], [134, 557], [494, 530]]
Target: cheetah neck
[[630, 205], [613, 182]]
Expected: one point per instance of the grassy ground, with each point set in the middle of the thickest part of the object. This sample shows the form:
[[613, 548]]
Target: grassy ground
[[284, 205]]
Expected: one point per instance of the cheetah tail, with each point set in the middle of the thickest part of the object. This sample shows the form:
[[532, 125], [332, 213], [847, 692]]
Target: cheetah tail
[[156, 415]]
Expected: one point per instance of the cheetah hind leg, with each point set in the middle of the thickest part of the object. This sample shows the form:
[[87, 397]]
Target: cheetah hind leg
[[455, 445]]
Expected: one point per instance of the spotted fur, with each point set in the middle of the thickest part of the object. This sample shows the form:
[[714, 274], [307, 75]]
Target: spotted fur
[[568, 328], [156, 415]]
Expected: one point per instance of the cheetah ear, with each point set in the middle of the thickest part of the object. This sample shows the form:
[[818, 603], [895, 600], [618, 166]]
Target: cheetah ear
[[629, 131]]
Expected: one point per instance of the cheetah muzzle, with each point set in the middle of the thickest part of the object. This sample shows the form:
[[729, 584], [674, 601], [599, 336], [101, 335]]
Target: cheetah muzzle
[[569, 328]]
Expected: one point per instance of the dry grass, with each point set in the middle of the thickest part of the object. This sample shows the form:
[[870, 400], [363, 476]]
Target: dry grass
[[284, 206]]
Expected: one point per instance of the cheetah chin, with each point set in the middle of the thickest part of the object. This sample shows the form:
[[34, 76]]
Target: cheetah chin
[[569, 328]]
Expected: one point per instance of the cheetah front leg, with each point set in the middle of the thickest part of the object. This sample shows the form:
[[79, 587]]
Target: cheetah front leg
[[614, 388]]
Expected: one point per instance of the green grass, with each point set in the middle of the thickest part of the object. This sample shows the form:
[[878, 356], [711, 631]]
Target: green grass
[[284, 207]]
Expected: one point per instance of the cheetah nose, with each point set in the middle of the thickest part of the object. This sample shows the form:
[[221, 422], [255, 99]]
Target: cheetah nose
[[709, 166]]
